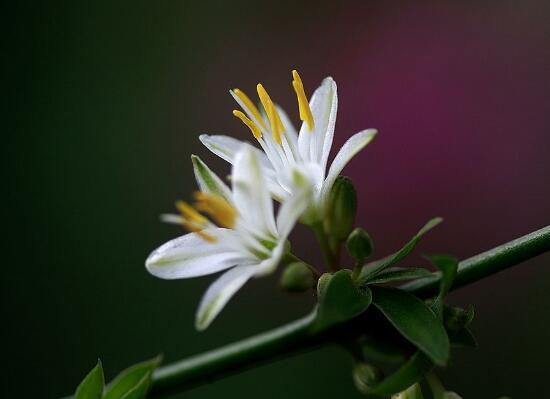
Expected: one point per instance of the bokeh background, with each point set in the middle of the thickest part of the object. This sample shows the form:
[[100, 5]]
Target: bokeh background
[[107, 100]]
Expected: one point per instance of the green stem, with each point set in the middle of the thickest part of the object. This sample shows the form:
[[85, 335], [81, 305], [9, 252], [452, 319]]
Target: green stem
[[330, 256], [295, 337]]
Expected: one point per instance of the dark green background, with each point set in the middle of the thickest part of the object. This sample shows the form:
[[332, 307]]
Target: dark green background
[[103, 104]]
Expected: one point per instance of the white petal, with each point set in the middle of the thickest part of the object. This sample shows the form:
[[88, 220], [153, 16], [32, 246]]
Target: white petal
[[219, 293], [250, 192], [351, 147], [294, 205], [208, 181], [191, 256], [223, 146], [268, 266], [315, 145]]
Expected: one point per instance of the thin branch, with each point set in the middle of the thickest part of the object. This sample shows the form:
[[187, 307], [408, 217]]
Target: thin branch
[[296, 337]]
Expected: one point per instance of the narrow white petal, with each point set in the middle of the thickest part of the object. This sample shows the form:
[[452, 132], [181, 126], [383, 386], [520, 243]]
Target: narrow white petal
[[191, 256], [268, 266], [219, 293], [351, 147], [208, 181], [294, 205], [250, 191], [223, 146], [315, 145]]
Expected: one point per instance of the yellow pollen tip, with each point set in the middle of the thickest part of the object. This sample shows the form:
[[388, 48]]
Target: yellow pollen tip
[[250, 105], [303, 104], [251, 125], [217, 207], [274, 119], [189, 213]]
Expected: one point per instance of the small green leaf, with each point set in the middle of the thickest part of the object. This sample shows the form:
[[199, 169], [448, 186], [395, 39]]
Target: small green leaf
[[134, 379], [91, 386], [408, 374], [372, 269], [139, 391], [449, 267], [339, 299], [399, 274], [414, 320]]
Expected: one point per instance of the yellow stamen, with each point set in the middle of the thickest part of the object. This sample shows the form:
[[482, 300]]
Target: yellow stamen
[[199, 230], [303, 105], [272, 114], [190, 213], [217, 207], [251, 125], [250, 105]]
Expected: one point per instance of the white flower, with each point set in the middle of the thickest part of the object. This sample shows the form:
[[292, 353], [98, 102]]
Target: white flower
[[285, 149], [246, 238]]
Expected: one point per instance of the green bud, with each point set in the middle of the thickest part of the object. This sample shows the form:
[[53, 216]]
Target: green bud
[[322, 284], [359, 245], [456, 318], [341, 209], [365, 376], [297, 277], [412, 392]]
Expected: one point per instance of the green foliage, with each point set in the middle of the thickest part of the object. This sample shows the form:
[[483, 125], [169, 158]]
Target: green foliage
[[297, 277], [359, 245], [408, 374], [400, 274], [415, 321], [339, 299], [448, 267], [91, 386], [371, 270], [133, 382]]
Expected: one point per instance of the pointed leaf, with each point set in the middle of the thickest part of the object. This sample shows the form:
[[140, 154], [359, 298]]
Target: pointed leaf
[[139, 391], [92, 385], [132, 377], [399, 274], [372, 269], [339, 299], [449, 267], [414, 320], [463, 338]]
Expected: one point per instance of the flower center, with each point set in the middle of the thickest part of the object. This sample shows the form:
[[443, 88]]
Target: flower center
[[276, 126]]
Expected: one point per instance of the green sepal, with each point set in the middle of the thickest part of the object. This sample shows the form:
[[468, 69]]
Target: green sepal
[[92, 385], [400, 274], [133, 381], [339, 300], [372, 269], [411, 372], [414, 321]]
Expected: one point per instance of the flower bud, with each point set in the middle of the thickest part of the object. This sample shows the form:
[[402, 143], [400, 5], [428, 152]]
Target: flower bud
[[456, 318], [359, 245], [412, 392], [341, 209], [365, 376], [297, 277]]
